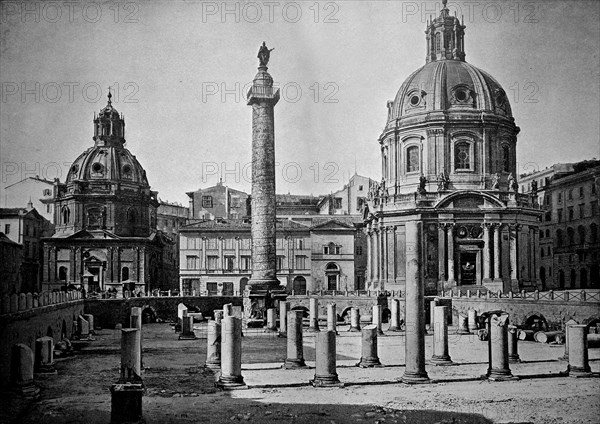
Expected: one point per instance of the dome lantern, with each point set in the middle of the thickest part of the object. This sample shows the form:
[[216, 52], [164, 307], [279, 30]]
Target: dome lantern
[[445, 37], [109, 126]]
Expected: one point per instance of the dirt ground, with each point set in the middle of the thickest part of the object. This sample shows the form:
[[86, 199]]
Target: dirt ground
[[180, 390]]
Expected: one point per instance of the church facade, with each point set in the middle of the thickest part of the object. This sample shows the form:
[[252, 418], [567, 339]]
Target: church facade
[[106, 220], [448, 155]]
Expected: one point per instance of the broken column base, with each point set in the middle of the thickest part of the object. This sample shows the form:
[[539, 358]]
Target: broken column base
[[354, 329], [330, 380], [126, 403], [231, 383], [369, 362], [294, 363]]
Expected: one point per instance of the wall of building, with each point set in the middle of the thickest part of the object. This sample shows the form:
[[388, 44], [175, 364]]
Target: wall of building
[[110, 312]]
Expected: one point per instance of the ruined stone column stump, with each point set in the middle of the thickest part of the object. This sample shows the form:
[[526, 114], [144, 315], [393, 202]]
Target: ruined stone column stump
[[126, 403]]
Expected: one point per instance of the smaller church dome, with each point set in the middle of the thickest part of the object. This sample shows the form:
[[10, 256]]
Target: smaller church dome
[[108, 159]]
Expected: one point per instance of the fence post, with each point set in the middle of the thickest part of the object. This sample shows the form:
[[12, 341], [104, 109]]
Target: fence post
[[536, 295]]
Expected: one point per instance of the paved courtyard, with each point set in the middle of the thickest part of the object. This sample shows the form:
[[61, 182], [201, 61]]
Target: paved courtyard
[[180, 390]]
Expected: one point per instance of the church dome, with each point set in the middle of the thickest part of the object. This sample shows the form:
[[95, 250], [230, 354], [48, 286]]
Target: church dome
[[108, 159], [108, 163], [449, 85]]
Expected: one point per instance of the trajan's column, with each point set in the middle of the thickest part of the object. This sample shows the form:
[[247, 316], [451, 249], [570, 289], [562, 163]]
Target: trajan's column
[[263, 98]]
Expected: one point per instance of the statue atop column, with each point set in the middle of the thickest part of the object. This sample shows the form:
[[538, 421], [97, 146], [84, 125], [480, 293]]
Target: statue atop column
[[264, 54]]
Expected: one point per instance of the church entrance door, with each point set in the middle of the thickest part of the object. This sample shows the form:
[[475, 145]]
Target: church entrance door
[[468, 268]]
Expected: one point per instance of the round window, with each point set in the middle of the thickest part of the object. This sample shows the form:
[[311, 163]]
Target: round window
[[500, 100], [414, 100], [461, 95], [126, 169], [97, 167]]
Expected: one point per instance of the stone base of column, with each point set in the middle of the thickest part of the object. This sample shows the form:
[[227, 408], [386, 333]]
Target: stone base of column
[[579, 372], [415, 378], [514, 359], [212, 365], [486, 281], [313, 329], [355, 329], [294, 363], [265, 294], [231, 382], [28, 391], [330, 380], [271, 330], [442, 361], [499, 375], [369, 362], [282, 334], [394, 328], [126, 403], [187, 336], [46, 369]]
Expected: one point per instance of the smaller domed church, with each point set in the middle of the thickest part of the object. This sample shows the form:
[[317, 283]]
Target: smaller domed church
[[448, 155], [105, 215]]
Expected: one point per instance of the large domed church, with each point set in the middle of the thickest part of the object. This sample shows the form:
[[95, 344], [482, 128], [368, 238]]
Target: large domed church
[[448, 153], [106, 236]]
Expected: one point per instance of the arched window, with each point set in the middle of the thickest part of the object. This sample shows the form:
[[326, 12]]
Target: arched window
[[581, 231], [438, 42], [506, 158], [66, 215], [412, 159], [559, 238], [573, 282], [62, 273], [593, 233], [561, 279], [131, 216], [570, 236], [462, 156], [583, 278], [125, 273]]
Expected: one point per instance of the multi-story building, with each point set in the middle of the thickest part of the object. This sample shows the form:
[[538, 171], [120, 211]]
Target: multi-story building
[[332, 249], [38, 191], [219, 201], [169, 218], [350, 200], [569, 240], [27, 227], [106, 219], [215, 255], [10, 266]]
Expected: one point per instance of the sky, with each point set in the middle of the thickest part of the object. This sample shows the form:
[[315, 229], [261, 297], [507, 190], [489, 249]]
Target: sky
[[180, 69]]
